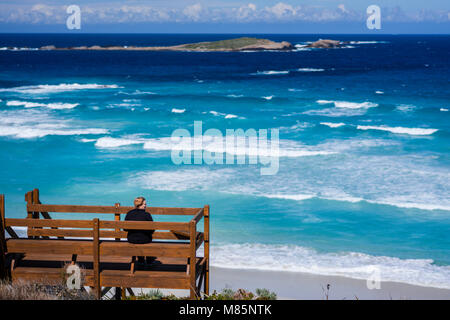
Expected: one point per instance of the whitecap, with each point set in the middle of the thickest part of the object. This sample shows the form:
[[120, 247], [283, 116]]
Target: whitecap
[[54, 105], [400, 130], [174, 110], [47, 88], [349, 105], [310, 70], [333, 125], [271, 72]]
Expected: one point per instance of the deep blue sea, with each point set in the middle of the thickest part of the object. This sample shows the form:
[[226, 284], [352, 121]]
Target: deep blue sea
[[364, 164]]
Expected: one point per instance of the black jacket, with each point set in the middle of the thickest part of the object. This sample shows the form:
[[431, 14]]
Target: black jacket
[[139, 236]]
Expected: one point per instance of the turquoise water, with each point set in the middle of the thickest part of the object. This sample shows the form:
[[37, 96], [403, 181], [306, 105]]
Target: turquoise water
[[363, 176]]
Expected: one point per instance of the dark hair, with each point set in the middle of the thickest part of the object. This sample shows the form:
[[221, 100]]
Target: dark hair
[[138, 202]]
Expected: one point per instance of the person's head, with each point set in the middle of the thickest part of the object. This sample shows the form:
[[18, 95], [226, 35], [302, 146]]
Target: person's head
[[140, 203]]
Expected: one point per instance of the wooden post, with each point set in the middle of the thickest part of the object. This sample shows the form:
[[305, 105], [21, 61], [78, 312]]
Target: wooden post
[[29, 200], [117, 217], [119, 291], [96, 251], [192, 259], [206, 247], [36, 215], [2, 238]]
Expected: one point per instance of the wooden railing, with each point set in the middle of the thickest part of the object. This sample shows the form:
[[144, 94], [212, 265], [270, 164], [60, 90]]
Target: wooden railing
[[96, 230]]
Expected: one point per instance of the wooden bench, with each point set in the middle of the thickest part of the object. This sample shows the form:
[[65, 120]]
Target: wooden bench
[[100, 248]]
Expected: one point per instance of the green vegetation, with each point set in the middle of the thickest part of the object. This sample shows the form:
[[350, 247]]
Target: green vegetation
[[225, 294], [232, 44], [22, 290]]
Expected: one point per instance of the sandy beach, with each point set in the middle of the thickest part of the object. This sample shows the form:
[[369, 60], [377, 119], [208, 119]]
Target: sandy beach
[[303, 286], [306, 286]]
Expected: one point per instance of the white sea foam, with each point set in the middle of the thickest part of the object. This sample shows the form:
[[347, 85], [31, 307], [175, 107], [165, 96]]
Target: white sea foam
[[349, 105], [26, 104], [443, 109], [355, 265], [235, 95], [48, 88], [268, 97], [18, 49], [336, 112], [302, 47], [226, 116], [271, 72], [400, 130], [405, 108], [346, 198], [333, 125], [30, 123], [295, 90], [174, 110], [310, 70], [289, 149], [367, 42], [54, 105], [347, 176], [296, 197], [379, 92], [109, 142]]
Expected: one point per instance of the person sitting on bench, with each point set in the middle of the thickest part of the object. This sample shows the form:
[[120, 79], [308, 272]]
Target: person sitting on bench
[[140, 236]]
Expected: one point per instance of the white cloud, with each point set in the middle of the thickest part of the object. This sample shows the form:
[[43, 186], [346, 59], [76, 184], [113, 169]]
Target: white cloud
[[193, 12], [137, 12]]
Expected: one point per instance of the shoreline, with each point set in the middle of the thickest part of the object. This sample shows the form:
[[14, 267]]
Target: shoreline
[[304, 286]]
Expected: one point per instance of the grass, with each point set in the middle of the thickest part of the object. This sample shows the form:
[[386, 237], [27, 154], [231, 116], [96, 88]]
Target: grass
[[225, 294], [22, 290], [224, 44]]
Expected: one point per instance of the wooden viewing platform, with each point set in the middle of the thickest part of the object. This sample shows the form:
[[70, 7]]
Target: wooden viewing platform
[[100, 249]]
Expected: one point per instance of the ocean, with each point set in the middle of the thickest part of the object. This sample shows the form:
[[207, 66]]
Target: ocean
[[364, 164]]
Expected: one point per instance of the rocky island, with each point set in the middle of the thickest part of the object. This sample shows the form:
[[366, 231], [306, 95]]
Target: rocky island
[[325, 44], [239, 44]]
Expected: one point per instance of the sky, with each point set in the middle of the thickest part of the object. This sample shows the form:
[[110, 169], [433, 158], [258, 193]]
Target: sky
[[232, 16]]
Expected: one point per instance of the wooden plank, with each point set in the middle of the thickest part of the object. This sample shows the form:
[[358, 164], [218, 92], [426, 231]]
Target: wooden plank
[[155, 249], [61, 233], [43, 246], [144, 279], [48, 223], [29, 200], [141, 225], [117, 218], [199, 240], [79, 233], [198, 216], [3, 272], [96, 254], [206, 247], [192, 259], [107, 209]]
